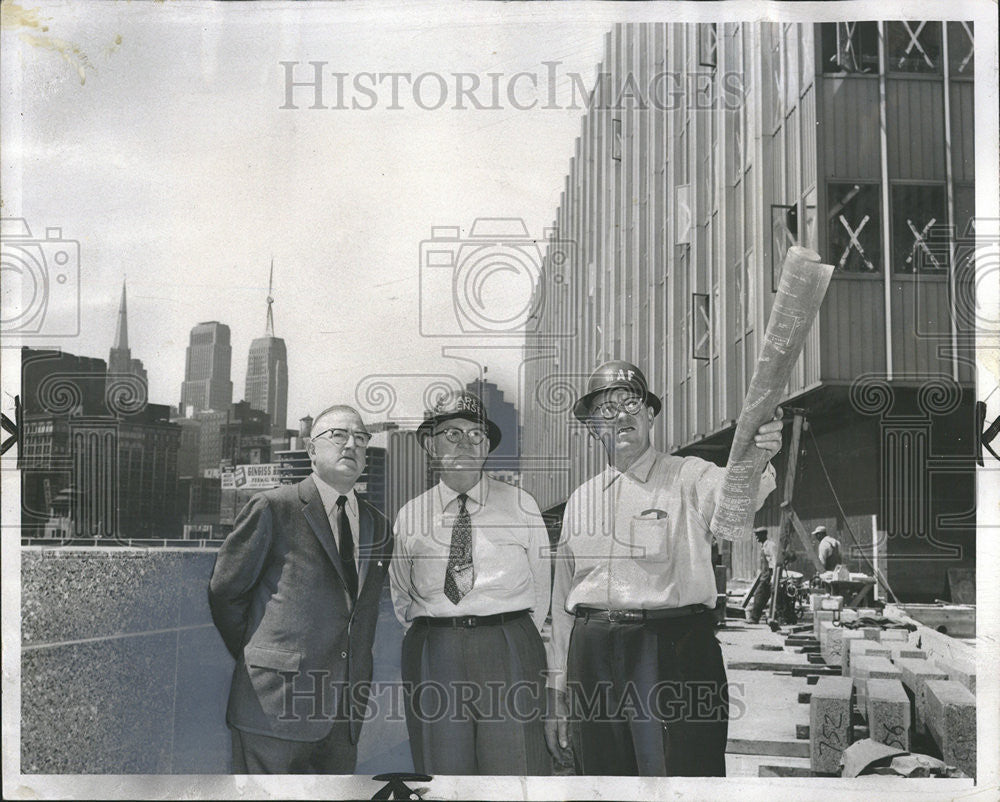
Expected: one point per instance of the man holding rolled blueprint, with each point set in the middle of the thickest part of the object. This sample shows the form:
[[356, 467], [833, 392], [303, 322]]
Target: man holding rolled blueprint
[[634, 586]]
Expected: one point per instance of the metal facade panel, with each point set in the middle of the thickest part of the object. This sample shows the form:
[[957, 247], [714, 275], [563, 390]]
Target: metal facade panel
[[920, 313], [963, 144], [915, 129], [850, 151], [849, 343]]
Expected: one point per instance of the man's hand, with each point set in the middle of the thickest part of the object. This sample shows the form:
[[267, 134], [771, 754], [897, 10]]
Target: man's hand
[[768, 436], [557, 727]]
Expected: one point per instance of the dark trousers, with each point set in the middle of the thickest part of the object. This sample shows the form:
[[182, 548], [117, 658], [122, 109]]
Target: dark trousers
[[761, 596], [475, 698], [262, 754], [648, 699]]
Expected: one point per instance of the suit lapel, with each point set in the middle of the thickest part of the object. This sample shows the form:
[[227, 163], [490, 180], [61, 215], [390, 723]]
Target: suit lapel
[[365, 537], [319, 522]]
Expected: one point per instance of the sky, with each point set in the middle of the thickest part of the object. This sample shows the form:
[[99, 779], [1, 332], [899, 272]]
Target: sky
[[153, 135]]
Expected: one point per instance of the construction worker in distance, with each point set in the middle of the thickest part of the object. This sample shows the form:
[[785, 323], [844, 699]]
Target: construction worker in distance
[[768, 562], [828, 549], [635, 587]]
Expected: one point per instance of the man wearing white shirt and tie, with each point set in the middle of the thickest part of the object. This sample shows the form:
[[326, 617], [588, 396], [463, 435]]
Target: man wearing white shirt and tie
[[470, 582], [633, 635], [294, 595]]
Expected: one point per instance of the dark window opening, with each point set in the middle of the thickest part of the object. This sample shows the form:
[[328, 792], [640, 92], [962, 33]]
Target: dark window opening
[[913, 46], [850, 47], [853, 227]]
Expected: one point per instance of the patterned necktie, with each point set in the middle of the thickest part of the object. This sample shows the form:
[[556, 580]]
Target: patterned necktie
[[347, 547], [458, 579]]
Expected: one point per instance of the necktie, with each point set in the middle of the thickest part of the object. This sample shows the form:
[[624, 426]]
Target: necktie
[[347, 547], [458, 579]]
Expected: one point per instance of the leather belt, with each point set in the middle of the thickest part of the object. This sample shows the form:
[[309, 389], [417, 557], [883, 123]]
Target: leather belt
[[638, 616], [469, 621]]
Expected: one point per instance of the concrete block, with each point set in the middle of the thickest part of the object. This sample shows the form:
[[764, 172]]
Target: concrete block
[[829, 723], [845, 649], [864, 646], [830, 642], [903, 651], [864, 668], [959, 670], [888, 713], [894, 636], [819, 616], [847, 614], [951, 718], [831, 603], [872, 633], [867, 612], [915, 674]]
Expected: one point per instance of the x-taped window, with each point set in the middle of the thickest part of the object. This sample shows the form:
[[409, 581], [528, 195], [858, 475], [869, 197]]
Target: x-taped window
[[961, 50], [913, 46], [850, 47], [708, 36], [853, 229], [918, 216]]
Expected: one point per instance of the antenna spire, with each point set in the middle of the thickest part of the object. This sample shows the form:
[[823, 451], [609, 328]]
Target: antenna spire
[[270, 302]]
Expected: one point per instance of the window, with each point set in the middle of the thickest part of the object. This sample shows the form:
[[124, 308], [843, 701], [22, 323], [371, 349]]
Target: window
[[701, 326], [913, 46], [961, 50], [853, 227], [784, 234], [707, 45], [616, 140], [850, 47], [918, 218]]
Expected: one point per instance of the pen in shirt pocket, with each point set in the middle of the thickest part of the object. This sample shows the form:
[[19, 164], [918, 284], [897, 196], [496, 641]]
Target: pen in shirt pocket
[[653, 514]]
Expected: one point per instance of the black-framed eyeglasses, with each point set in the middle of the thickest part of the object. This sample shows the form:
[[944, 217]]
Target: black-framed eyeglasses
[[339, 437], [610, 409], [454, 435]]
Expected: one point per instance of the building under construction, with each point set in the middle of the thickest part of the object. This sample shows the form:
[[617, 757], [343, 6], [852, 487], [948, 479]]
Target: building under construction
[[705, 152]]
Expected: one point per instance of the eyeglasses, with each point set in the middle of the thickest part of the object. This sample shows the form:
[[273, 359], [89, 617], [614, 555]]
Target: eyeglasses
[[339, 437], [475, 436], [610, 409]]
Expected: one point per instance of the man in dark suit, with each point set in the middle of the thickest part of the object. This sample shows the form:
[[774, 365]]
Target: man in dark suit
[[295, 594]]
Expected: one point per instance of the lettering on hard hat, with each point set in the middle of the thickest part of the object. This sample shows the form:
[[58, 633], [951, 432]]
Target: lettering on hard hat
[[623, 377]]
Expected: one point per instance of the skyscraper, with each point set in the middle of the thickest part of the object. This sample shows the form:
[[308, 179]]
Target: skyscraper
[[120, 360], [206, 373], [267, 372]]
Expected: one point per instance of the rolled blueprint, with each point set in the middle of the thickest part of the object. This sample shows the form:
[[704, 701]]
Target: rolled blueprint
[[803, 284]]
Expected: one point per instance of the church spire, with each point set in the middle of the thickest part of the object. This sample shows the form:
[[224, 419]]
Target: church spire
[[270, 301], [121, 330]]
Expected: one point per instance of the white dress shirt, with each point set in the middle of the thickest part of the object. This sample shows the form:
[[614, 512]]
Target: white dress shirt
[[510, 554], [638, 539], [329, 494]]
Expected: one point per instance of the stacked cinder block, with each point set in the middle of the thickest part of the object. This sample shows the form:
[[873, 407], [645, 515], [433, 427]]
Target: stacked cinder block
[[899, 689], [830, 730]]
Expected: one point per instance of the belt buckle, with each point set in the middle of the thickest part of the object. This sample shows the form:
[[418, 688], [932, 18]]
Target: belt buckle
[[625, 616], [469, 621]]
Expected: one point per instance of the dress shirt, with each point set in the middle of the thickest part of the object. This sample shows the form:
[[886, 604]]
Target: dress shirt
[[770, 551], [329, 494], [829, 552], [510, 553], [637, 539]]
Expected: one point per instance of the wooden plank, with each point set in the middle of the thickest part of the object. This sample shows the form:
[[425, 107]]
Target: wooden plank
[[746, 746]]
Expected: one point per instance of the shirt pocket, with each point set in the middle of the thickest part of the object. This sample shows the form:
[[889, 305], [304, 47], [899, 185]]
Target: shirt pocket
[[648, 539]]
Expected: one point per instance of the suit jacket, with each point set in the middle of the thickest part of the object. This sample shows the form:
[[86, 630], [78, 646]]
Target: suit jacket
[[279, 599]]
